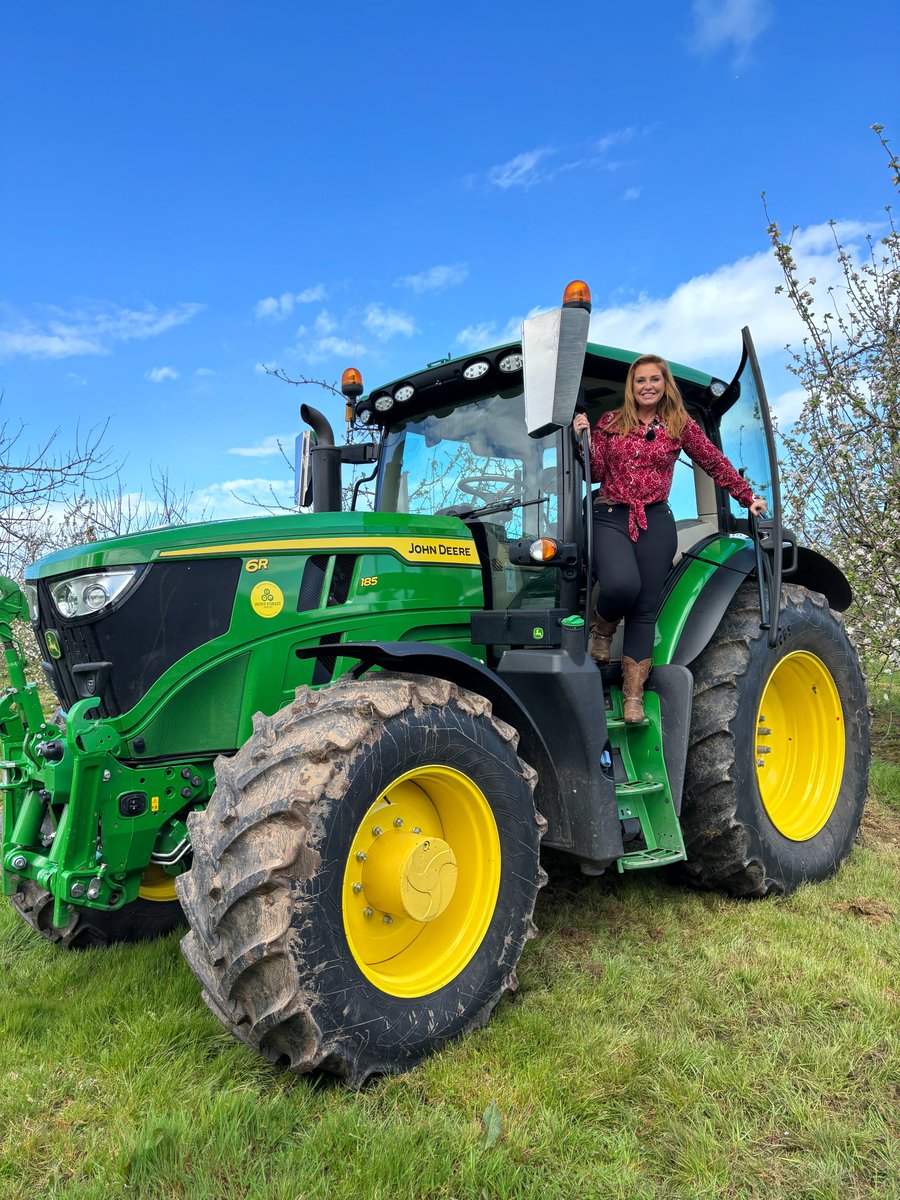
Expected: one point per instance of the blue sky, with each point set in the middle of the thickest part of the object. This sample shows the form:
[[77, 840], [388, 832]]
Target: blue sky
[[188, 191]]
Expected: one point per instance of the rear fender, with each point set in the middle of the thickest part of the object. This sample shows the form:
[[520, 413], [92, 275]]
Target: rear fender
[[813, 571]]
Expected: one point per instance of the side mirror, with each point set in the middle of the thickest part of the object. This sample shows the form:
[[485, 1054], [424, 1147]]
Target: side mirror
[[553, 348], [303, 469]]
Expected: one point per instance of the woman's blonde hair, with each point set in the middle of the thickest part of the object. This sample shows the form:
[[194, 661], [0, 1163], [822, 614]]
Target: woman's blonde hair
[[671, 412]]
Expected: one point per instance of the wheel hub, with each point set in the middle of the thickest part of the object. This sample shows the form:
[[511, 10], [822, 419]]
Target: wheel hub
[[410, 875]]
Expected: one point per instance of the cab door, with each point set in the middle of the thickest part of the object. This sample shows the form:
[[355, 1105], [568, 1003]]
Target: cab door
[[748, 440]]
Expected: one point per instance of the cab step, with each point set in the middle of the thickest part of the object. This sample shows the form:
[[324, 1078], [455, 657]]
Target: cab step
[[640, 860]]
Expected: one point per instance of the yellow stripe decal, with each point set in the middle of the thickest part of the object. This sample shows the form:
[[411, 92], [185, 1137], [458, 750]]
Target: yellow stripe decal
[[446, 551]]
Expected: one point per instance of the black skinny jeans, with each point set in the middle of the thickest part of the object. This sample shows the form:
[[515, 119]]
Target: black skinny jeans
[[631, 574]]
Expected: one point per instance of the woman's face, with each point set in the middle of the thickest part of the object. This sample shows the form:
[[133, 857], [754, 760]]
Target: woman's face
[[649, 385]]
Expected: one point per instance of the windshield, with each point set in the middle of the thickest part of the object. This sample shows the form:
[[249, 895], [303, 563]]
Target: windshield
[[477, 461], [475, 456]]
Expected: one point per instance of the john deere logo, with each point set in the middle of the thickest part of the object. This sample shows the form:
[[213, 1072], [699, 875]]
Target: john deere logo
[[52, 643], [537, 633], [267, 599]]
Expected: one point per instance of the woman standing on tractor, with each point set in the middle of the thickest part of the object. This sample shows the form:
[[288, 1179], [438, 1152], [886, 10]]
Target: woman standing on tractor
[[633, 454]]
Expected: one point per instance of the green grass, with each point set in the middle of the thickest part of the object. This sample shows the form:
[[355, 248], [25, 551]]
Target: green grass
[[662, 1043]]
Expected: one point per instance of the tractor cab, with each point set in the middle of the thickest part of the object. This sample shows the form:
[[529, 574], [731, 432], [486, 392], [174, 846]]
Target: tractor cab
[[456, 442]]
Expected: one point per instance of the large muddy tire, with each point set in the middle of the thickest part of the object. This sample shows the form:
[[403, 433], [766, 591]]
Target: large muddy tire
[[778, 762], [364, 876], [139, 921]]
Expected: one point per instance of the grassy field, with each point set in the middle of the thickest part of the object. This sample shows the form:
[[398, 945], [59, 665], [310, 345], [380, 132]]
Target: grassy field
[[663, 1043]]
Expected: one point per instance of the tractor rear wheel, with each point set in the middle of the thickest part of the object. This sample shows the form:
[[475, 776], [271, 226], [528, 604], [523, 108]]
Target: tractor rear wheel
[[364, 876], [778, 761], [155, 913]]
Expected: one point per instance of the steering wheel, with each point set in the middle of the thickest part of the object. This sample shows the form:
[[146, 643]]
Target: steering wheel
[[475, 487]]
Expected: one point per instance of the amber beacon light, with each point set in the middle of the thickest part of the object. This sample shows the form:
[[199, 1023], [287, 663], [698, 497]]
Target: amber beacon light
[[577, 295], [352, 388]]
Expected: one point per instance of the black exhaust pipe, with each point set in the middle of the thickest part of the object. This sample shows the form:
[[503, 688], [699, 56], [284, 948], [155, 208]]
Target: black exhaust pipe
[[326, 461]]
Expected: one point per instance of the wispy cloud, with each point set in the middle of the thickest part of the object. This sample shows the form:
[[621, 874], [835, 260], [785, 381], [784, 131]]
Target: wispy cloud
[[523, 171], [435, 279], [161, 374], [276, 308], [90, 330], [728, 24], [631, 193], [269, 447], [545, 163], [385, 323]]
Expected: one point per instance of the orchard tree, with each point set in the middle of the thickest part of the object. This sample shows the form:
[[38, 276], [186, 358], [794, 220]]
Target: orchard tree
[[842, 484]]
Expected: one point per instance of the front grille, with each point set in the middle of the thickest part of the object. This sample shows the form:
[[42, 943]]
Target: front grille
[[173, 608]]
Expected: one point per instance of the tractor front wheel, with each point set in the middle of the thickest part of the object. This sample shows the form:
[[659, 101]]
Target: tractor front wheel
[[778, 762], [155, 913], [364, 876]]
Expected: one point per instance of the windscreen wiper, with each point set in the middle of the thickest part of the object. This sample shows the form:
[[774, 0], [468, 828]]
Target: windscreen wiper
[[464, 512]]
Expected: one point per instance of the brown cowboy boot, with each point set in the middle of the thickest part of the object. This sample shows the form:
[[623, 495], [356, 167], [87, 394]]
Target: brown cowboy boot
[[634, 676], [601, 638]]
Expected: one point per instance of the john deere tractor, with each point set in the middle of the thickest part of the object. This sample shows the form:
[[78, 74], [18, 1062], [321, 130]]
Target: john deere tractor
[[336, 742]]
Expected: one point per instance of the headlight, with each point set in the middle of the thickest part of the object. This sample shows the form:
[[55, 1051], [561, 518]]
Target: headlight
[[31, 596], [84, 595]]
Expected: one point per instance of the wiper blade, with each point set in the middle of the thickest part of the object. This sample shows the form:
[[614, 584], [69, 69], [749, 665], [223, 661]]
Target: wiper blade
[[459, 510]]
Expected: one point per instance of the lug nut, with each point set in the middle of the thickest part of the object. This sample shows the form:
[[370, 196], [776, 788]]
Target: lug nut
[[760, 762], [196, 781], [357, 888], [368, 913], [186, 772], [398, 822], [187, 792], [377, 831], [360, 856], [388, 919], [19, 863], [416, 829]]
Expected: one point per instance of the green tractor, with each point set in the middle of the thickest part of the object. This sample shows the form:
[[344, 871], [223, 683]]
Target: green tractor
[[336, 742]]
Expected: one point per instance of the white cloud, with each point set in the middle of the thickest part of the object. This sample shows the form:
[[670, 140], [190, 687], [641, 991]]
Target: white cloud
[[533, 166], [384, 323], [76, 379], [631, 193], [435, 279], [160, 374], [724, 24], [91, 330], [702, 318], [787, 406], [277, 308], [490, 333], [274, 444], [521, 171], [324, 324], [203, 372], [243, 498]]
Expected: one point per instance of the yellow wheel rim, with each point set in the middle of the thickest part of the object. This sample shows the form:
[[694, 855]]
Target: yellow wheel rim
[[800, 746], [157, 884], [421, 882]]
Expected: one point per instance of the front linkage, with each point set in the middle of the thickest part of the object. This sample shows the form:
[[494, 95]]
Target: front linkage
[[79, 822]]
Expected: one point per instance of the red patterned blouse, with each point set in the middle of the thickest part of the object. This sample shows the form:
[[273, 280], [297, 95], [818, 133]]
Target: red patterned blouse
[[638, 472]]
